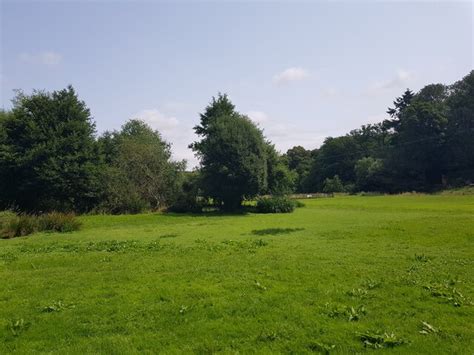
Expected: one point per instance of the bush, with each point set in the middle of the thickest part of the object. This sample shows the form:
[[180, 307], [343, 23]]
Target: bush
[[19, 226], [298, 203], [121, 197], [186, 205], [58, 222], [333, 185], [12, 226], [5, 217], [275, 205], [187, 198]]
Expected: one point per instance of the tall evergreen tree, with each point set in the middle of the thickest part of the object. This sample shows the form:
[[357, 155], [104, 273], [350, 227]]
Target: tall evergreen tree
[[232, 153], [48, 159], [460, 131]]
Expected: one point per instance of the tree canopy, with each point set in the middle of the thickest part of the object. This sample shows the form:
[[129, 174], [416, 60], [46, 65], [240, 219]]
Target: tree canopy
[[52, 159], [232, 152], [48, 157]]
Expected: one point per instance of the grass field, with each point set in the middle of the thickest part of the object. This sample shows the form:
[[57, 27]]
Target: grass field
[[328, 277]]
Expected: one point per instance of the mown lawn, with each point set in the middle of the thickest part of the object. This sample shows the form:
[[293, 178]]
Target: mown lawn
[[309, 281]]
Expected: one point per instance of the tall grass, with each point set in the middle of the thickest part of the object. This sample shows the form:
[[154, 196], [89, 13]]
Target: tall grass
[[12, 225]]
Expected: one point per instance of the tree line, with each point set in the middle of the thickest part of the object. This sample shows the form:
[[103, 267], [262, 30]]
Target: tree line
[[51, 158], [426, 143]]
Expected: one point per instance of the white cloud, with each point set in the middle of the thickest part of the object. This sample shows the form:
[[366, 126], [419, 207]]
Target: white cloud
[[179, 134], [49, 58], [290, 74], [257, 116], [401, 78], [157, 120]]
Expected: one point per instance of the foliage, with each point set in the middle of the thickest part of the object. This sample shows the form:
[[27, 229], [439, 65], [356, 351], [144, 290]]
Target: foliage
[[188, 199], [140, 174], [460, 132], [17, 226], [333, 185], [232, 153], [369, 174], [425, 143], [299, 161], [379, 340], [278, 204], [20, 226], [5, 217], [280, 179], [298, 203], [120, 196], [48, 157], [58, 222]]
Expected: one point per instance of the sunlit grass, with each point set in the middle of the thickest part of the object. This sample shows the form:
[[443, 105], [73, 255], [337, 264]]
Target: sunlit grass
[[342, 274]]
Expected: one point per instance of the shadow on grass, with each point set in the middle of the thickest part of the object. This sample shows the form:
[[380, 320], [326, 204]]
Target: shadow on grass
[[275, 231], [164, 236], [214, 212]]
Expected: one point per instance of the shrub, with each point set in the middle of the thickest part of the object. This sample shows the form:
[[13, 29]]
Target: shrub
[[333, 185], [19, 226], [58, 222], [5, 217], [298, 204], [275, 205], [187, 198], [12, 226], [120, 196], [186, 205]]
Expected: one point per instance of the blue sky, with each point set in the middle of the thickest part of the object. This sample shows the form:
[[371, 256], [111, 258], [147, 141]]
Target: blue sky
[[302, 70]]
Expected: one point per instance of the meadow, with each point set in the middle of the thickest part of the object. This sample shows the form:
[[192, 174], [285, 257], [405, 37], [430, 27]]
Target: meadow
[[347, 274]]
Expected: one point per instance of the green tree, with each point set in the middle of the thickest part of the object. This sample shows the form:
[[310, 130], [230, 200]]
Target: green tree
[[460, 131], [337, 156], [141, 174], [48, 158], [280, 180], [418, 152], [232, 154], [369, 174], [334, 184], [299, 161]]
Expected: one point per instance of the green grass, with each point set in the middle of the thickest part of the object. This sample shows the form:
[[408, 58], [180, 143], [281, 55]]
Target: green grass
[[341, 275]]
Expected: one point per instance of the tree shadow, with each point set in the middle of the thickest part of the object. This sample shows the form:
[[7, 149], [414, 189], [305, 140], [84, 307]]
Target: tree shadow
[[275, 231], [215, 213]]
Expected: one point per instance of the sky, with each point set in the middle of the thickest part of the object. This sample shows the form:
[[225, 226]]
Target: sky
[[302, 71]]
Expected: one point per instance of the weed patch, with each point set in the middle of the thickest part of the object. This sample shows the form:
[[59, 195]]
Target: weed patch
[[270, 336], [378, 340], [422, 258], [370, 284], [56, 306], [427, 328], [17, 326], [449, 294], [357, 292], [321, 348], [259, 286], [8, 257], [349, 313]]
